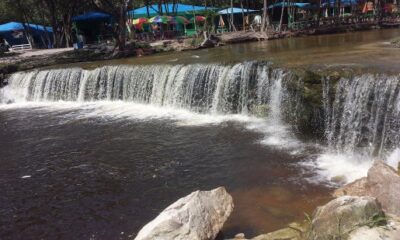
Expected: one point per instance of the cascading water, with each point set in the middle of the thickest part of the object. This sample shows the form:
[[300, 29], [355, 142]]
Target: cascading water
[[251, 89], [362, 124], [239, 89], [365, 115], [361, 114]]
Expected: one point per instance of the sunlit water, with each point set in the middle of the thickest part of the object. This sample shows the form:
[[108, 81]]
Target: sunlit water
[[104, 154], [370, 50], [102, 170]]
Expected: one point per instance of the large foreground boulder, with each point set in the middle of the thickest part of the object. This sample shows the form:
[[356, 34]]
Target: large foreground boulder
[[198, 216], [382, 183], [338, 218]]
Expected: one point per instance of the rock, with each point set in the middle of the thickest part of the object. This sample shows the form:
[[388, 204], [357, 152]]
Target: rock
[[198, 216], [240, 236], [356, 188], [285, 233], [398, 168], [396, 42], [207, 43], [294, 231], [242, 36], [341, 179], [339, 217], [391, 231], [382, 182]]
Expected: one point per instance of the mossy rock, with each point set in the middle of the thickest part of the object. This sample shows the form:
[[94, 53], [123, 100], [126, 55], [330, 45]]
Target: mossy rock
[[294, 231], [260, 110], [396, 42]]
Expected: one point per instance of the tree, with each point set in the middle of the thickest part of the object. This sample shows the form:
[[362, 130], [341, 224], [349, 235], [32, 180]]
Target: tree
[[265, 21], [6, 12], [282, 12], [118, 9]]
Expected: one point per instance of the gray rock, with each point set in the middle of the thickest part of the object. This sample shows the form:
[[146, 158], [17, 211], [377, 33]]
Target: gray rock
[[391, 231], [240, 236], [338, 218], [198, 216], [356, 188], [382, 183], [285, 233]]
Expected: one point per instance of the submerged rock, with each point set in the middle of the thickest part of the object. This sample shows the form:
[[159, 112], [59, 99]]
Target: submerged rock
[[198, 216], [338, 218], [382, 182]]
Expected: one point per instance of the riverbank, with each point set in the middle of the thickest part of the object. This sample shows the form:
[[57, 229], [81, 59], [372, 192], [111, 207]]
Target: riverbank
[[46, 58]]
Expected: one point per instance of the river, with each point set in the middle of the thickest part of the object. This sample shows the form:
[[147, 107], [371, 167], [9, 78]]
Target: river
[[97, 153]]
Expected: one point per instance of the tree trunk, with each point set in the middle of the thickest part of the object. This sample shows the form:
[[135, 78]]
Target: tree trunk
[[232, 23], [122, 26], [319, 12], [265, 19], [147, 8], [243, 17], [282, 11]]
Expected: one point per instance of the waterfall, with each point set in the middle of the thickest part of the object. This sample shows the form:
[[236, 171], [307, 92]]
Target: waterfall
[[362, 123], [365, 115], [244, 88], [361, 114]]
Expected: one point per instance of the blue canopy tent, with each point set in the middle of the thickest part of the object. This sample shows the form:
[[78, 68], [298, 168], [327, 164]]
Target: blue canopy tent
[[178, 9], [288, 17], [238, 20], [286, 4], [14, 33], [92, 16], [346, 7], [14, 26], [235, 11], [93, 26], [343, 3]]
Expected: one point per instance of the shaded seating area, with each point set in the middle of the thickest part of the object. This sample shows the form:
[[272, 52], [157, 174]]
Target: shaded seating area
[[167, 9], [93, 27], [296, 15], [23, 36], [347, 8], [168, 21], [241, 19]]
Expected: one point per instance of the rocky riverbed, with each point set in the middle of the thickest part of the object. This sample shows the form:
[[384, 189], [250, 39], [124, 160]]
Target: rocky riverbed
[[366, 209]]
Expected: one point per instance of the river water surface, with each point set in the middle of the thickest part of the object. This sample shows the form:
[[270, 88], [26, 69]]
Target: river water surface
[[98, 160], [365, 49]]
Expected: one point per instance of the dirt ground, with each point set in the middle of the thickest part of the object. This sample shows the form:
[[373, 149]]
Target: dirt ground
[[31, 53]]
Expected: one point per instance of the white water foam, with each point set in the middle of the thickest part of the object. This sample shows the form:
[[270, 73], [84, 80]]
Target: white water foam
[[275, 134], [393, 159], [122, 110], [342, 168]]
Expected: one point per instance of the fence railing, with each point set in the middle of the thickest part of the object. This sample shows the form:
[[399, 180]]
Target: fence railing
[[348, 20], [22, 47]]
